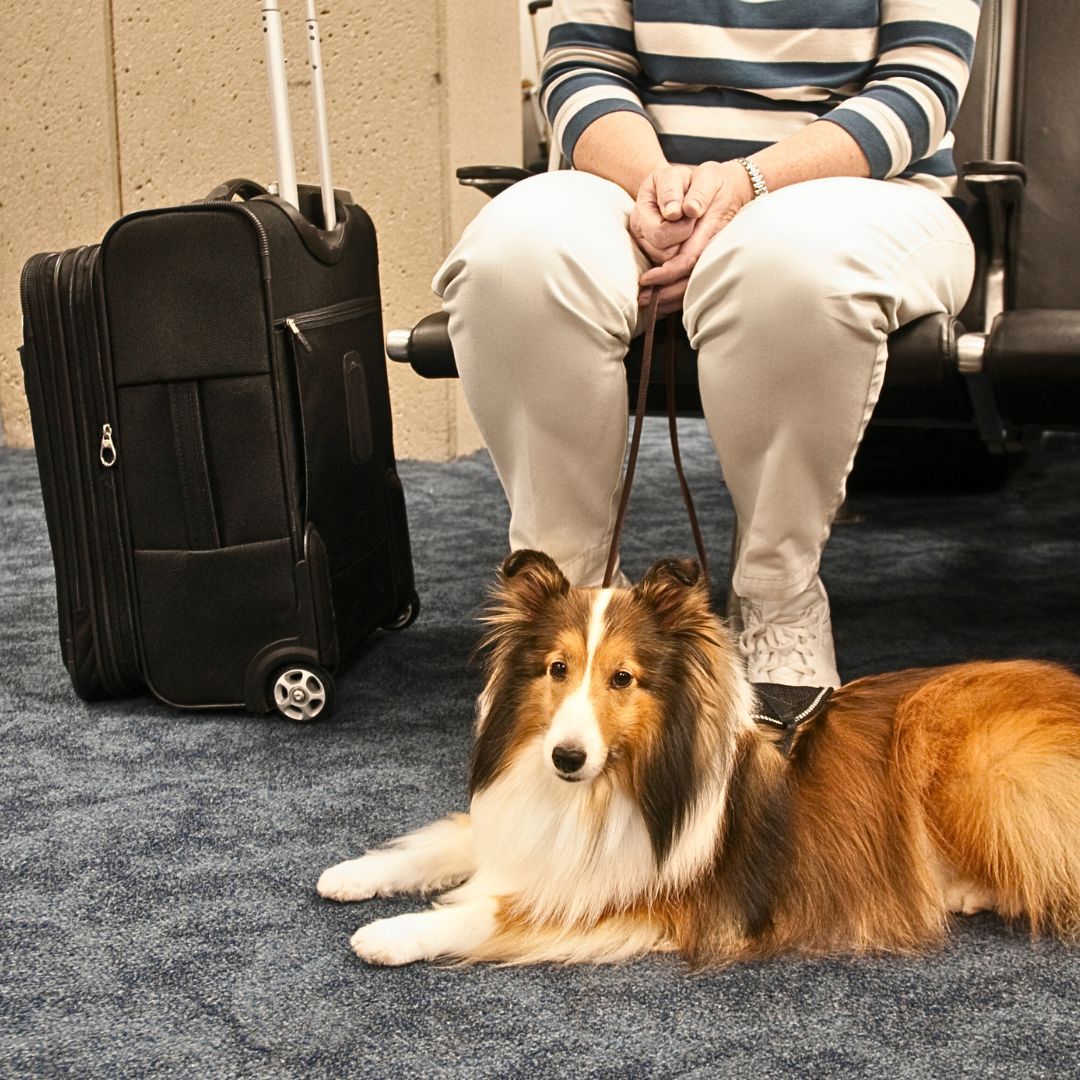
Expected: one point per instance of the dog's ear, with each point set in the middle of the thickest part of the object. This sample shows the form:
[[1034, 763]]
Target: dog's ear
[[675, 588], [529, 579]]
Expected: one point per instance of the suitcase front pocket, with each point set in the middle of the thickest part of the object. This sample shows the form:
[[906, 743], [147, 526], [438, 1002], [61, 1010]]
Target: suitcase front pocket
[[212, 612], [201, 463], [340, 372]]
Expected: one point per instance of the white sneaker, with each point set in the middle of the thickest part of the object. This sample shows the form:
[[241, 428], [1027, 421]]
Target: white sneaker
[[789, 641]]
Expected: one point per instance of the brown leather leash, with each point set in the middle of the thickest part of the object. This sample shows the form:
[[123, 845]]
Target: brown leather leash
[[635, 441]]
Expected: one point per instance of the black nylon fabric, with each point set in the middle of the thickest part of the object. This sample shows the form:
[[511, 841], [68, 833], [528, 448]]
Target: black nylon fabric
[[238, 413], [184, 296], [252, 496]]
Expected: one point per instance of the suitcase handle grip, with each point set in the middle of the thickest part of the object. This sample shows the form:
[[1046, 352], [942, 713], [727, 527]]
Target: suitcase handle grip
[[246, 189]]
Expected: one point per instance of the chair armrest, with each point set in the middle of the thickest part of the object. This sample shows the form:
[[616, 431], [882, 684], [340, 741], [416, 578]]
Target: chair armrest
[[997, 187], [492, 180], [426, 347], [980, 176], [1032, 358]]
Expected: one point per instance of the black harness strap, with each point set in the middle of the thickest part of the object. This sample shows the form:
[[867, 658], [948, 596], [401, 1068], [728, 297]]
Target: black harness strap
[[788, 708]]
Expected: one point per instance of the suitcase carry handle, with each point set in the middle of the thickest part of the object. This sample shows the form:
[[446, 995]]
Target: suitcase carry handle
[[227, 191], [326, 245]]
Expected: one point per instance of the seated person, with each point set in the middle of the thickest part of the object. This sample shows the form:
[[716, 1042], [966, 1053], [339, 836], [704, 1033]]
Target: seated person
[[780, 171]]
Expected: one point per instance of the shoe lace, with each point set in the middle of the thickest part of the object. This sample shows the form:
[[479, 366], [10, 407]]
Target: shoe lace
[[786, 641]]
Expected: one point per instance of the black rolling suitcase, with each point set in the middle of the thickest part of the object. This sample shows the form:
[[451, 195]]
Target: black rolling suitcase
[[211, 416]]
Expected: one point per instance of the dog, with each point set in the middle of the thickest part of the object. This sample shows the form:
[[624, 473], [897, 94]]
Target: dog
[[623, 801]]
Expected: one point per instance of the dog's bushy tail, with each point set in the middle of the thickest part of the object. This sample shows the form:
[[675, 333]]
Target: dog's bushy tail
[[1003, 789]]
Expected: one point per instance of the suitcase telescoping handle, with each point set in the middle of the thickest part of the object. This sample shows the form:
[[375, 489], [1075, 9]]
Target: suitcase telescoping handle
[[279, 107], [318, 104]]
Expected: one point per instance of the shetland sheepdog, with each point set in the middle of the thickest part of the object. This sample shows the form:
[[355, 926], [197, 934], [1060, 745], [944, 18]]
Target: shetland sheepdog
[[624, 802]]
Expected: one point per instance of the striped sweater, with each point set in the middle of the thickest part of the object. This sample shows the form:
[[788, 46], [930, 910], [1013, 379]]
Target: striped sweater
[[723, 78]]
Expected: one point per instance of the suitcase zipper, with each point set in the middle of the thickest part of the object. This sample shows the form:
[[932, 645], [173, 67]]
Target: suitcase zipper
[[334, 313], [298, 334], [59, 377], [107, 455], [102, 539], [126, 635]]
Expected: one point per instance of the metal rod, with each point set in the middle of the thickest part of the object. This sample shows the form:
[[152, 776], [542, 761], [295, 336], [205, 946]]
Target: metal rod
[[318, 101], [1004, 148], [279, 101]]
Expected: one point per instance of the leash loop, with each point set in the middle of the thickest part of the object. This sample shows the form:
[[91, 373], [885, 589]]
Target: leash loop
[[635, 440]]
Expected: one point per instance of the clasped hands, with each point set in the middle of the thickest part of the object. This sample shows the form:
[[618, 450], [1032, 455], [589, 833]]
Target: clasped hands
[[678, 210]]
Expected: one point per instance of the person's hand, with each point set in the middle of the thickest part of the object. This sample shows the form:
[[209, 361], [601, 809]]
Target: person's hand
[[657, 222], [712, 195]]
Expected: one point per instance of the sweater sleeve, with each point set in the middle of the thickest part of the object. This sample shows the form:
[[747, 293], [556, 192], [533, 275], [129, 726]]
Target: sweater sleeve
[[908, 104], [590, 67]]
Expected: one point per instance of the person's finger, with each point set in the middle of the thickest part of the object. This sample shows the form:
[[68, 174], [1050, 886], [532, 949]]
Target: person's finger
[[655, 252], [650, 230], [671, 297], [670, 188], [704, 184], [671, 270], [656, 255], [682, 264]]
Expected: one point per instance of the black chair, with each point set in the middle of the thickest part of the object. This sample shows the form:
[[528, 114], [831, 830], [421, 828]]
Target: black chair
[[976, 387]]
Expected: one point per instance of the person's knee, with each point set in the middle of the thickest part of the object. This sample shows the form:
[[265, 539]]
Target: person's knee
[[546, 240], [772, 268]]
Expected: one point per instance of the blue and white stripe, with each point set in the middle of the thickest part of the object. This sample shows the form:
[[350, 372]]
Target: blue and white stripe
[[723, 78]]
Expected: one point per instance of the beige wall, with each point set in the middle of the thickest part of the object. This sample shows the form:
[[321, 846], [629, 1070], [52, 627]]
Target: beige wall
[[120, 104]]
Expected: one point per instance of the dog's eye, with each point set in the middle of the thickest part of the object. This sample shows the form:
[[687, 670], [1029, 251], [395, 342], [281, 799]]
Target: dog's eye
[[557, 670], [621, 680]]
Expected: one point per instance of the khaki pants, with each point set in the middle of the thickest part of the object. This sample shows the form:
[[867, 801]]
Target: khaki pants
[[789, 309]]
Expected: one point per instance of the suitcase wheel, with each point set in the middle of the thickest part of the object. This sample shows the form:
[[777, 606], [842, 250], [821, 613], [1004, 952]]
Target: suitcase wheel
[[405, 617], [303, 692]]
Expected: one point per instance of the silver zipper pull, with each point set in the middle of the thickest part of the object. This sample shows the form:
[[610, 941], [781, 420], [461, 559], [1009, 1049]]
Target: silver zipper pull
[[298, 334], [108, 453]]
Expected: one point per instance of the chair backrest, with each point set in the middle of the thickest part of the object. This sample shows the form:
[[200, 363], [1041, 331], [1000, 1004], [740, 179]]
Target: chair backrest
[[974, 127], [1021, 105], [1047, 142]]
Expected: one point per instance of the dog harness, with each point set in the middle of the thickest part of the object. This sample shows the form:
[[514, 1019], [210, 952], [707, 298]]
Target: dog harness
[[788, 708]]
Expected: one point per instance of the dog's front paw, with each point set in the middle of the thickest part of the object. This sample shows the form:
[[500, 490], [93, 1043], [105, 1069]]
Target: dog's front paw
[[390, 942], [350, 880]]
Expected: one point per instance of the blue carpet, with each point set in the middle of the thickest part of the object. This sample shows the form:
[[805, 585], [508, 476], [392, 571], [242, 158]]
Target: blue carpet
[[157, 903]]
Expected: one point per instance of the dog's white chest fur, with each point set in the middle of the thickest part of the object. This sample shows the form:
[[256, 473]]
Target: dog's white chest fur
[[567, 852], [571, 852]]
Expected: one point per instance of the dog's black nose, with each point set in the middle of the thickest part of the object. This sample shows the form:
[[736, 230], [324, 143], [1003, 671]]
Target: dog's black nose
[[568, 759]]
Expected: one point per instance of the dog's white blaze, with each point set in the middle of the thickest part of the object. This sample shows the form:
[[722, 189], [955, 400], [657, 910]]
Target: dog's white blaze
[[575, 722]]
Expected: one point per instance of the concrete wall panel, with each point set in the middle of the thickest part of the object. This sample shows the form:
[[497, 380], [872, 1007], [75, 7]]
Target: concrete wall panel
[[58, 158], [413, 88]]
